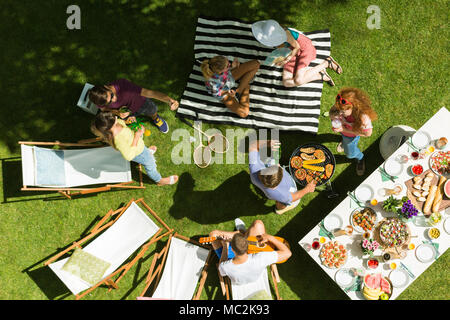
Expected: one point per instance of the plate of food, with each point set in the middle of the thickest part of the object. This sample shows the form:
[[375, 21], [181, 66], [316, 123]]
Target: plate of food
[[425, 252], [399, 278], [332, 222], [420, 139], [393, 167], [376, 287], [364, 193], [440, 163], [333, 255], [345, 277], [363, 219], [394, 233]]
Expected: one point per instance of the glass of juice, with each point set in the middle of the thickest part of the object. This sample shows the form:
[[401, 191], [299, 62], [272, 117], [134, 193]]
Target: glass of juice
[[315, 244], [415, 155], [393, 265]]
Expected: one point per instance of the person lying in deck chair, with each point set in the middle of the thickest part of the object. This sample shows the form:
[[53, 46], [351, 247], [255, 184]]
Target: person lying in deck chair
[[276, 183], [124, 93], [236, 263]]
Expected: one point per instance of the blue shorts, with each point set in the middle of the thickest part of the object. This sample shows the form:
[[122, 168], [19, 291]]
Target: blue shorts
[[230, 252]]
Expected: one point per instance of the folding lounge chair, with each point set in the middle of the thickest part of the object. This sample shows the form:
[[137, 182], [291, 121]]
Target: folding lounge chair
[[68, 171], [245, 291], [118, 235], [185, 262]]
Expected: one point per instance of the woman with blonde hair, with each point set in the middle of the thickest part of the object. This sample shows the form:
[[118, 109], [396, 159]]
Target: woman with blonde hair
[[220, 77], [115, 132], [355, 116]]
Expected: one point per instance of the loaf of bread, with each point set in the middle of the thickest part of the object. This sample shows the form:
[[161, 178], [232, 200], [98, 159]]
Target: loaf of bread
[[439, 194], [430, 199]]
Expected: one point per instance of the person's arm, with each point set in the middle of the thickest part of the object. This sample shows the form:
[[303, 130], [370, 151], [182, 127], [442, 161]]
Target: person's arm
[[160, 96], [137, 135], [310, 187], [294, 44], [281, 249], [257, 144]]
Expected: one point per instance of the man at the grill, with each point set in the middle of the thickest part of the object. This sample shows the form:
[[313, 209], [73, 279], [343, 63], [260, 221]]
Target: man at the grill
[[275, 181]]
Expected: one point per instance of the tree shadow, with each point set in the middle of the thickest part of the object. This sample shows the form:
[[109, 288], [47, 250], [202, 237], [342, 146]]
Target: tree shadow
[[203, 206], [138, 40]]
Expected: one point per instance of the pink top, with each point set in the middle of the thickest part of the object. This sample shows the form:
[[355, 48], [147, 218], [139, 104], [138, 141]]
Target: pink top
[[347, 123]]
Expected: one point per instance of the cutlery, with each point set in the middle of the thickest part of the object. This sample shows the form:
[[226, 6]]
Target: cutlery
[[387, 175], [407, 270], [354, 198]]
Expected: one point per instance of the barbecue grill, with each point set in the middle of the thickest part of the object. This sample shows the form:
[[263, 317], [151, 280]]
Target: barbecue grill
[[329, 158]]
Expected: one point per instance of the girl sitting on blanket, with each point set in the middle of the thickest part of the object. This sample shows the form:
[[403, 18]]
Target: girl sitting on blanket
[[115, 132], [296, 70], [220, 78], [352, 109]]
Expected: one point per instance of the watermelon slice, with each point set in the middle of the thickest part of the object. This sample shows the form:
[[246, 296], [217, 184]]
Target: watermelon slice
[[447, 189], [373, 281], [385, 285]]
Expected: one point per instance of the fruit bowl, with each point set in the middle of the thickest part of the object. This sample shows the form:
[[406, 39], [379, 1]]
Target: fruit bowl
[[376, 287]]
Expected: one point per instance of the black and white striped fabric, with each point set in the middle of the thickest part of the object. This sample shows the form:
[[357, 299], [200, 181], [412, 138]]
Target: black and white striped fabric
[[272, 105]]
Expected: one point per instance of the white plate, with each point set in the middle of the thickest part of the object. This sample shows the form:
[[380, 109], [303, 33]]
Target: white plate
[[425, 252], [430, 163], [332, 222], [399, 278], [364, 193], [393, 167], [420, 139], [447, 225], [345, 277]]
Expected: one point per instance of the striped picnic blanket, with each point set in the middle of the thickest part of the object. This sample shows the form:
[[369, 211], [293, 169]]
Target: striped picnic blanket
[[272, 105]]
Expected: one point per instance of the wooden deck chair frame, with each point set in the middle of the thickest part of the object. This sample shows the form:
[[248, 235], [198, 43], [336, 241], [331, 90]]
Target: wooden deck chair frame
[[225, 282], [70, 192], [107, 221], [154, 274]]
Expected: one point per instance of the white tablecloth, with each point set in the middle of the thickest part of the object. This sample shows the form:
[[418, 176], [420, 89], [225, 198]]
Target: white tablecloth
[[438, 126]]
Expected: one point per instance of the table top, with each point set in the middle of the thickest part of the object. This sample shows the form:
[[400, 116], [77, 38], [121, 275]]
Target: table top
[[437, 126]]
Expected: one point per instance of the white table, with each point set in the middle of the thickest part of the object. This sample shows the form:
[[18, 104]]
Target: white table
[[438, 126]]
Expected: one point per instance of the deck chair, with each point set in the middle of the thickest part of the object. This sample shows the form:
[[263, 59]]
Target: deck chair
[[184, 262], [69, 171], [245, 291], [118, 235]]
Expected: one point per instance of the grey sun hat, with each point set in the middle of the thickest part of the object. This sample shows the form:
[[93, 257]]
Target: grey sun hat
[[393, 138], [269, 33]]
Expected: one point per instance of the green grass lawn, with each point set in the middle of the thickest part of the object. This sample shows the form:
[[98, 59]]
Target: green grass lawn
[[403, 66]]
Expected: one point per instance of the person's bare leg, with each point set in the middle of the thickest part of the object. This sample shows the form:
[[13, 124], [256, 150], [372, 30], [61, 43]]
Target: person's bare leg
[[303, 75], [245, 73], [257, 228], [241, 110]]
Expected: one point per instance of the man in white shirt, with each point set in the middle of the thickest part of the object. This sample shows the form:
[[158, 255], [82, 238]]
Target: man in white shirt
[[236, 263]]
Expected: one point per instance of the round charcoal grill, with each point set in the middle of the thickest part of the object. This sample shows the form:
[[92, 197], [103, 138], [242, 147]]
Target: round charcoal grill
[[329, 158]]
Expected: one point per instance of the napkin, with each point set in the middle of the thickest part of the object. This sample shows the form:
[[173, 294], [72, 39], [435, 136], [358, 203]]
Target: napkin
[[385, 176], [356, 286], [435, 245], [324, 232]]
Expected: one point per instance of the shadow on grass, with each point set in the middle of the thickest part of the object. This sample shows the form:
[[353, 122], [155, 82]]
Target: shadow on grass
[[225, 203], [150, 43]]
